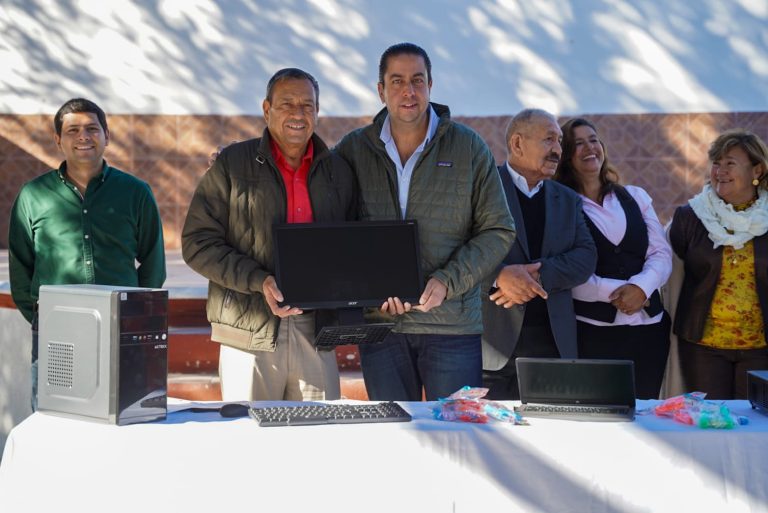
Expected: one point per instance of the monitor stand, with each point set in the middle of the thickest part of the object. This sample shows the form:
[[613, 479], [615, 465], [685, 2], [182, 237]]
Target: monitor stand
[[350, 316], [352, 329]]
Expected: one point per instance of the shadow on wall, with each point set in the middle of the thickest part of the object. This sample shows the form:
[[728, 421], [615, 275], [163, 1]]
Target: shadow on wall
[[490, 57], [663, 153], [24, 154], [168, 152]]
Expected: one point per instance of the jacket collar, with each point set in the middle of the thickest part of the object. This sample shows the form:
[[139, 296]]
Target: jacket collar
[[551, 200], [373, 131], [265, 150], [521, 183]]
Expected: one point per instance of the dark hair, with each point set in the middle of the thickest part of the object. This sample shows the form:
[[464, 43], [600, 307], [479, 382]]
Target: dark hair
[[292, 74], [566, 175], [78, 105], [403, 49]]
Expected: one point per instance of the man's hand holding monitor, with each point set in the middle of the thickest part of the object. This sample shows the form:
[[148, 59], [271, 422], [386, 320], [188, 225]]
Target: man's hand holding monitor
[[274, 297], [433, 296]]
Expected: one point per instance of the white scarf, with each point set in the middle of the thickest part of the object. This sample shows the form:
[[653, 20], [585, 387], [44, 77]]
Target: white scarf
[[726, 226]]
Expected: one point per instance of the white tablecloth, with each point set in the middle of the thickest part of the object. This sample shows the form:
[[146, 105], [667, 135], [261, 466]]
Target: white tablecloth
[[202, 462]]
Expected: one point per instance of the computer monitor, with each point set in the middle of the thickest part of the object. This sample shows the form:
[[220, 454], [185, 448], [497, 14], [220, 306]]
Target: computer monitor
[[347, 265]]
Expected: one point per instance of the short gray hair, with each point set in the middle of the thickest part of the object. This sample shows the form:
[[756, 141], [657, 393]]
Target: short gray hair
[[520, 121]]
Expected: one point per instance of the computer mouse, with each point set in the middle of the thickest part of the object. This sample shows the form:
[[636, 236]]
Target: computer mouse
[[233, 410]]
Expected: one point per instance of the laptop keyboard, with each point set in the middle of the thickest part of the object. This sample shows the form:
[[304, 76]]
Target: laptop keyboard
[[332, 336], [600, 410], [304, 415], [570, 412]]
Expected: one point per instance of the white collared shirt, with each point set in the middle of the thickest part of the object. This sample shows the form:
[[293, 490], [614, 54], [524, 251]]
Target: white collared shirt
[[611, 220], [522, 184], [404, 172]]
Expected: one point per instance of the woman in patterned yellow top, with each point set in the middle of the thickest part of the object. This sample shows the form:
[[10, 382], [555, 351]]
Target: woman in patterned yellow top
[[721, 237]]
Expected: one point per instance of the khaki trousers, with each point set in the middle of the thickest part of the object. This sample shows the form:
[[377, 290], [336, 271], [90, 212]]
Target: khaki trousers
[[295, 371]]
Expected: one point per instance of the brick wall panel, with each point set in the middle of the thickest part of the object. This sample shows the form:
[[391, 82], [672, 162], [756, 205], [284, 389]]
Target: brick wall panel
[[664, 153]]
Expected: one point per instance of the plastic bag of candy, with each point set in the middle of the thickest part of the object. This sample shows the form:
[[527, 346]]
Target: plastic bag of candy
[[467, 405], [672, 406], [713, 415], [694, 410]]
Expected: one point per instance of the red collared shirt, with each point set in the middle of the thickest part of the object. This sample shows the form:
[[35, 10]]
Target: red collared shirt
[[296, 191]]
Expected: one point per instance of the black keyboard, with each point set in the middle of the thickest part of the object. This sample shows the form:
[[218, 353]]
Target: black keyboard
[[332, 336], [304, 415]]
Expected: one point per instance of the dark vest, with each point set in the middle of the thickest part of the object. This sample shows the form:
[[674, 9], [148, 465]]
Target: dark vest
[[620, 261], [534, 217]]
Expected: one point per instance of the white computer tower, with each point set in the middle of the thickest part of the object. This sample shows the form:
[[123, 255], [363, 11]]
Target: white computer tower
[[103, 352]]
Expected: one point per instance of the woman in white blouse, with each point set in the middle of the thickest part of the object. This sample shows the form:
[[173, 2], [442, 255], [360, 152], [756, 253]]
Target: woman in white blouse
[[618, 309]]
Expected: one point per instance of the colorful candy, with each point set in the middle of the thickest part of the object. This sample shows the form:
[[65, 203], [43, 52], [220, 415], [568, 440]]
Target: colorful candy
[[694, 410], [467, 405]]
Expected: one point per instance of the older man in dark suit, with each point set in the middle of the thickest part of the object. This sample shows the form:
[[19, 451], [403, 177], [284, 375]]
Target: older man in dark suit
[[528, 310]]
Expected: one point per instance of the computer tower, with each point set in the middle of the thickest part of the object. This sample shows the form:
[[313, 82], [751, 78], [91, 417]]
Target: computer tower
[[757, 390], [103, 352]]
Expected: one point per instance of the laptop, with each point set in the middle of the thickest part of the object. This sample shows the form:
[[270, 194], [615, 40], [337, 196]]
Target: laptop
[[581, 389], [348, 266]]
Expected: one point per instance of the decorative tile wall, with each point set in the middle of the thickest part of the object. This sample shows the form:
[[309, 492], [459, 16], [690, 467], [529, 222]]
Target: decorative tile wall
[[664, 153]]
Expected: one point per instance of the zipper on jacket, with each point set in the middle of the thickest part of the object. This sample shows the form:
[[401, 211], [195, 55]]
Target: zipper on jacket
[[391, 176], [262, 160], [310, 176], [393, 187]]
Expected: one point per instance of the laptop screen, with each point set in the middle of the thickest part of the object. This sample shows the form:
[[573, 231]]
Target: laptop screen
[[559, 381], [340, 265]]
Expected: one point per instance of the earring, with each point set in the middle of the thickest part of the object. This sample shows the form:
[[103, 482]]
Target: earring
[[755, 182]]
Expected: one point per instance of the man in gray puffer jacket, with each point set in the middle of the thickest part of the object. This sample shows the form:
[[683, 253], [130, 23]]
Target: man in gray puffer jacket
[[287, 175], [413, 162]]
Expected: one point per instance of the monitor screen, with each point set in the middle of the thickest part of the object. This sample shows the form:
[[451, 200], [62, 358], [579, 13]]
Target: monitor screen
[[342, 265], [560, 381]]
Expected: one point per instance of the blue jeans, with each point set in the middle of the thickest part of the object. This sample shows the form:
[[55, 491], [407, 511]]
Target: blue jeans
[[396, 369], [33, 375]]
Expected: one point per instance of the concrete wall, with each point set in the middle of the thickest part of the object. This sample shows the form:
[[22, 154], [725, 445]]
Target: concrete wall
[[490, 57]]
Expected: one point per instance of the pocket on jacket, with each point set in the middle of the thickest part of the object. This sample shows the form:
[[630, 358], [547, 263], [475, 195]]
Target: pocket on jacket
[[237, 309], [453, 306], [227, 299]]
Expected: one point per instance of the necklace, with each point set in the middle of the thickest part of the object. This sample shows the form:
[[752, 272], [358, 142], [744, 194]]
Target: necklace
[[735, 256], [743, 206]]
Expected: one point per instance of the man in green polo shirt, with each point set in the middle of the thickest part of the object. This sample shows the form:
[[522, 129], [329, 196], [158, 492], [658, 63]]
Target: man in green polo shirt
[[85, 222]]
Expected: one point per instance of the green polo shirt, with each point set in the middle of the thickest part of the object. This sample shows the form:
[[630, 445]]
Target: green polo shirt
[[111, 236]]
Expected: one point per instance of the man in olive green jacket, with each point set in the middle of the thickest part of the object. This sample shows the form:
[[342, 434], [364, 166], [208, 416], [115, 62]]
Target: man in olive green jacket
[[413, 162], [287, 175]]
